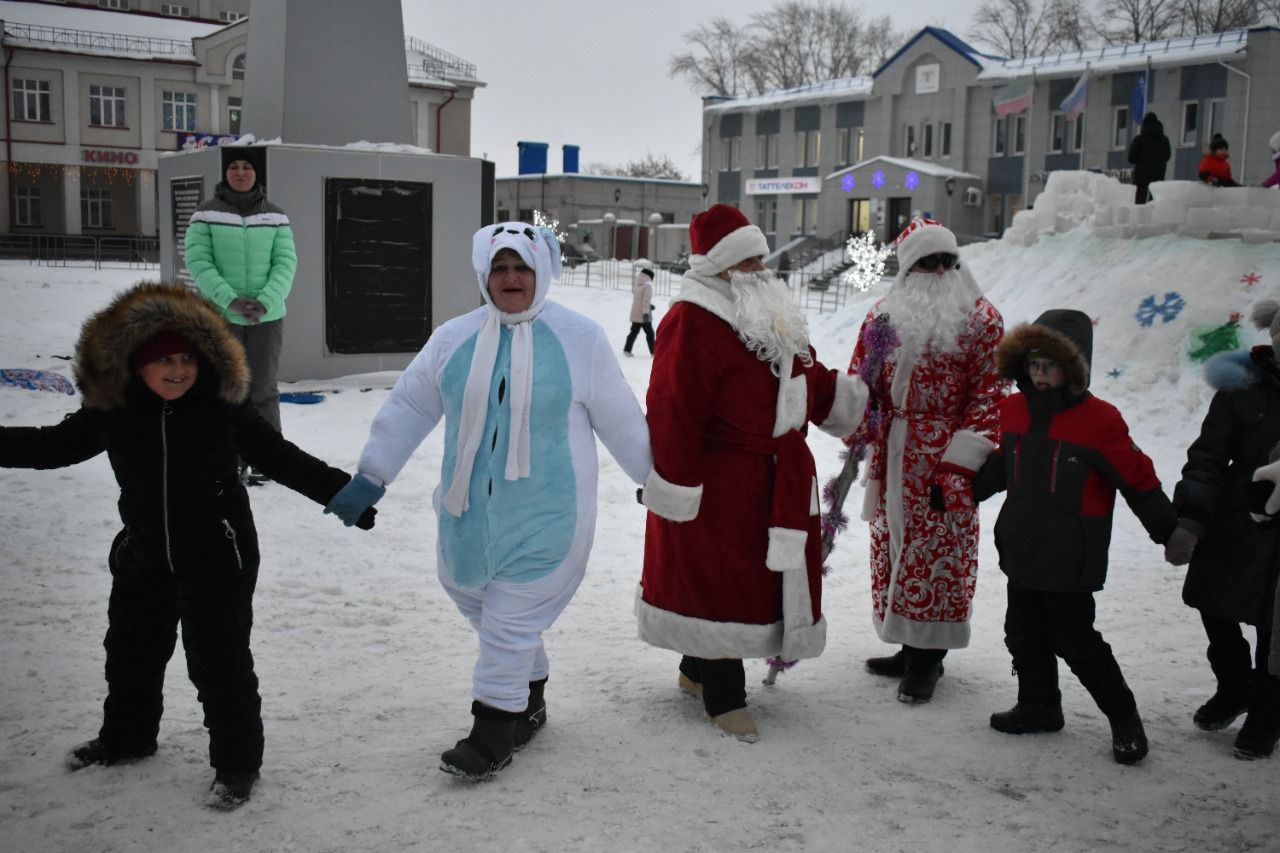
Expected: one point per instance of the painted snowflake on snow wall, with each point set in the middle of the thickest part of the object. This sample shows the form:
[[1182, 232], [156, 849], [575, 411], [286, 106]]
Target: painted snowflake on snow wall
[[1168, 310]]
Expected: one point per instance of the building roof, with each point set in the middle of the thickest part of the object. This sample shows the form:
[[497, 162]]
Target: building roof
[[924, 167], [1187, 50], [951, 40], [824, 91], [76, 29]]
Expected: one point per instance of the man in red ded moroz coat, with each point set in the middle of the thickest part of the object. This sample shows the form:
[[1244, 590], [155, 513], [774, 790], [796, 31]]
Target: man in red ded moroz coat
[[732, 563], [932, 420]]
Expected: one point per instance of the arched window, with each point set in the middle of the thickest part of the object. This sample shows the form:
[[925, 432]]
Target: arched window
[[237, 68]]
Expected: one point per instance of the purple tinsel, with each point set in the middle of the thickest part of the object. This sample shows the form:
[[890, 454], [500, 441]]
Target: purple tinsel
[[780, 664]]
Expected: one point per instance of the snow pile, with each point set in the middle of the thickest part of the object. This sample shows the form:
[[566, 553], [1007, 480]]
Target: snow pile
[[1185, 208]]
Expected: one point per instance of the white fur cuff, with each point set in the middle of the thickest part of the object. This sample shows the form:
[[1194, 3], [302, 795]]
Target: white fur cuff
[[849, 408], [967, 451], [672, 502], [793, 395], [786, 549]]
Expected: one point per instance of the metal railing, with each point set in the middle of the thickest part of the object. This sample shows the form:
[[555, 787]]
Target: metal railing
[[437, 62], [78, 250], [96, 41]]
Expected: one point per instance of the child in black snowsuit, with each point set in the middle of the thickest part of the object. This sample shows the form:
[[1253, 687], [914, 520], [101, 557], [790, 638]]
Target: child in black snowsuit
[[1063, 455], [1234, 563], [164, 386]]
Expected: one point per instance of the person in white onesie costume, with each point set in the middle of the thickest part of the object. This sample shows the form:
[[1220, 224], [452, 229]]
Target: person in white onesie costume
[[524, 386]]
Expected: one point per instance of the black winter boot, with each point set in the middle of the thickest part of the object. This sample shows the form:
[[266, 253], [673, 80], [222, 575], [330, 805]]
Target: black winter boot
[[1221, 710], [487, 749], [95, 752], [923, 669], [1026, 718], [534, 717], [1261, 729], [1128, 739], [891, 666], [231, 789]]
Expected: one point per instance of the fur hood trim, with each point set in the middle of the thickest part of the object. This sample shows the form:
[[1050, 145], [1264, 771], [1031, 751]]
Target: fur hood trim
[[1011, 354], [109, 337]]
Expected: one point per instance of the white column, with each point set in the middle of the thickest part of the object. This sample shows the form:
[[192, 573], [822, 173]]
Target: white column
[[144, 196], [72, 122], [71, 198], [215, 109]]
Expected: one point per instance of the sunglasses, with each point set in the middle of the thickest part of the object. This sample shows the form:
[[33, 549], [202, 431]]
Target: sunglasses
[[528, 232], [929, 263]]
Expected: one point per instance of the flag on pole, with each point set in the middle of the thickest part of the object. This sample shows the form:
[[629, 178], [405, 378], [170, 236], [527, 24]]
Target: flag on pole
[[1138, 100], [1012, 98], [1074, 103]]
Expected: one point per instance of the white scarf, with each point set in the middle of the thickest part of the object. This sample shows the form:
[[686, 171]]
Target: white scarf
[[542, 254]]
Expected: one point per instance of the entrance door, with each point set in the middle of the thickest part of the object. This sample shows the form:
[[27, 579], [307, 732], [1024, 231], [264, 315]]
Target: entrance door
[[859, 215], [899, 218]]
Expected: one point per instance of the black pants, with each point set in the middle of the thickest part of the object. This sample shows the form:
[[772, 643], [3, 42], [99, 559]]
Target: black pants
[[1040, 627], [724, 682], [147, 604], [1229, 656], [635, 330], [1142, 193]]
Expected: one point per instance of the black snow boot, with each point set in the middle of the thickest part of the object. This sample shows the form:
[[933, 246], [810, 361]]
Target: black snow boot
[[96, 752], [923, 669], [892, 666], [1027, 718], [1261, 729], [487, 749], [534, 717], [231, 789], [1128, 738], [1221, 710]]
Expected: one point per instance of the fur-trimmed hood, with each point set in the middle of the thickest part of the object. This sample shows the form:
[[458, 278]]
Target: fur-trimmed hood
[[1062, 334], [109, 337]]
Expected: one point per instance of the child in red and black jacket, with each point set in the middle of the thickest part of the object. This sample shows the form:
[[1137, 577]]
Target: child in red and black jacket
[[1063, 455]]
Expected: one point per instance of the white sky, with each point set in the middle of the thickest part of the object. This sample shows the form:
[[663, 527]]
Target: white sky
[[595, 75]]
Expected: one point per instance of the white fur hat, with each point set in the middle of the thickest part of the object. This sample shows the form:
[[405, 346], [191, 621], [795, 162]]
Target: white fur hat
[[538, 247], [924, 237], [1275, 143]]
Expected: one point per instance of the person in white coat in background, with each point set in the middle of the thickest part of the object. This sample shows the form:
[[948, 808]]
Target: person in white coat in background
[[524, 386], [641, 306]]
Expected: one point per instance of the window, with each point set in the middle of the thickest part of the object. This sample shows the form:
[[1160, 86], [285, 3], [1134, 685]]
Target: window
[[1019, 133], [1217, 114], [909, 140], [178, 111], [1057, 133], [999, 136], [842, 146], [30, 100], [26, 206], [945, 141], [174, 10], [1190, 123], [95, 207], [808, 148], [995, 214], [230, 17], [1120, 129], [106, 106], [731, 154], [233, 122], [767, 151], [1077, 133], [767, 215], [928, 140], [237, 68], [119, 5], [806, 221]]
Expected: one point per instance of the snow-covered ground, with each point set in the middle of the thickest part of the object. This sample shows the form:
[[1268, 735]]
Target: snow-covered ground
[[365, 664]]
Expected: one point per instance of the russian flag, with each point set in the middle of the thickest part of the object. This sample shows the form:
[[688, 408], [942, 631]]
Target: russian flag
[[1012, 98], [1074, 103]]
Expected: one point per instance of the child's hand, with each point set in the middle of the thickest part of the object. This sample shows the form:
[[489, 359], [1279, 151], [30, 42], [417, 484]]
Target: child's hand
[[1268, 474], [354, 499], [1181, 544], [365, 521]]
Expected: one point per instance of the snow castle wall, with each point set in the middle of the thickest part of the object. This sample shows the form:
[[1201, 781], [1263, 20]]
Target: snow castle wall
[[1188, 208]]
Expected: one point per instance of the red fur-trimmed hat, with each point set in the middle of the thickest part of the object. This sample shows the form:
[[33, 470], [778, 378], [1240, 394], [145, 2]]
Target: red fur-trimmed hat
[[720, 237], [924, 237]]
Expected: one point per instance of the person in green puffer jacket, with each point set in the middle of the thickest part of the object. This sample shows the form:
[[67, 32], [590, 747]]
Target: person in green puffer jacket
[[239, 249]]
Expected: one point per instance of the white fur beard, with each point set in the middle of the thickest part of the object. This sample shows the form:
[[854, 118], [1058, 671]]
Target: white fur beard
[[931, 310], [766, 318]]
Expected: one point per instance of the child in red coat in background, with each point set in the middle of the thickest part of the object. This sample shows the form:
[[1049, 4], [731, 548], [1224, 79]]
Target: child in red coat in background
[[1214, 168]]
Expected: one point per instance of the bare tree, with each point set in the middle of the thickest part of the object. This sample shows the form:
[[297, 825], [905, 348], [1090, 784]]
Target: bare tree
[[1068, 25], [1269, 12], [716, 63], [653, 166], [1014, 28], [880, 41], [1130, 21], [1216, 16]]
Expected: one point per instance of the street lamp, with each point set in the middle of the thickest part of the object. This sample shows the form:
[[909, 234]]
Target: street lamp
[[611, 220], [655, 219]]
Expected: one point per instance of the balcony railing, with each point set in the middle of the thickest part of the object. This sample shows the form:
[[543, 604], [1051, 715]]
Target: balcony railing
[[436, 62], [89, 40]]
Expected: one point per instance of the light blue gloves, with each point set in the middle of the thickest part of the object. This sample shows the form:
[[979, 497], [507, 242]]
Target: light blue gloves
[[353, 499]]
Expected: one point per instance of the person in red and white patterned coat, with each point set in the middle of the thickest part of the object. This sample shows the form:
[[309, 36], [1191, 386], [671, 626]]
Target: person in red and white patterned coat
[[932, 419], [733, 563]]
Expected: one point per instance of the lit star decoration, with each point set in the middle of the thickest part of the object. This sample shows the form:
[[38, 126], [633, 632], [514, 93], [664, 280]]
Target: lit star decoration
[[847, 183], [877, 179], [868, 261], [1167, 311], [540, 220], [1250, 279], [911, 181]]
